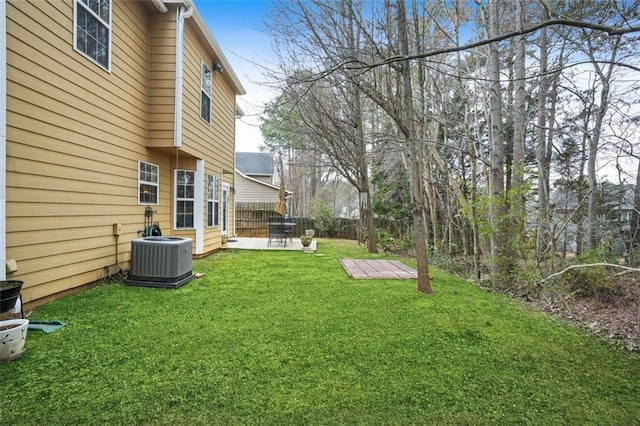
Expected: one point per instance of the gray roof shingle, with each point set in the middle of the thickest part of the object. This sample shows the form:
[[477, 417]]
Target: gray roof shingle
[[255, 163]]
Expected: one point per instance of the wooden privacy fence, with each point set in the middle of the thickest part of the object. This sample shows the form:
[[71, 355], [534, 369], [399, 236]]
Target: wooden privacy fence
[[252, 218]]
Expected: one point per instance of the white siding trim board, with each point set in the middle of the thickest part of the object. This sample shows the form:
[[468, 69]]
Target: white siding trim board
[[3, 139]]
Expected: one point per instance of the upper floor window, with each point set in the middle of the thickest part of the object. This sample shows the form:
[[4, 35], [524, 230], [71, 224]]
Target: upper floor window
[[185, 198], [147, 183], [213, 200], [205, 92], [92, 30]]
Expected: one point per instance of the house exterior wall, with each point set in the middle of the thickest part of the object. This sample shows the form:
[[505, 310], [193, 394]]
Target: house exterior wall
[[265, 179], [162, 75], [249, 191], [213, 142], [75, 134]]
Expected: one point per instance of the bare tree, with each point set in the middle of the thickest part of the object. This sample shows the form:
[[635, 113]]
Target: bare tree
[[498, 213], [330, 110], [393, 57], [414, 154], [519, 114], [605, 76], [542, 157]]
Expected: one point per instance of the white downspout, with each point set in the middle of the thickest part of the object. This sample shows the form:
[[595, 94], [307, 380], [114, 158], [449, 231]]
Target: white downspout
[[183, 13], [3, 140]]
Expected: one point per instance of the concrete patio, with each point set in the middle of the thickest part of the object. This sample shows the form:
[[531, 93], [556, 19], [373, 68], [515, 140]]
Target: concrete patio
[[246, 243]]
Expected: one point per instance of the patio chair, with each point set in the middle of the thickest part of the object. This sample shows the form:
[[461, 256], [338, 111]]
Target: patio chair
[[277, 230]]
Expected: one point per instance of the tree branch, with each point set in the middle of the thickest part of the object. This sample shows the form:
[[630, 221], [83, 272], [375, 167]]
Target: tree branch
[[613, 265], [565, 22]]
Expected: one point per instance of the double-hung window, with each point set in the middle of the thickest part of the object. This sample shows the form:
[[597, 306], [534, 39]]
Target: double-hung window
[[205, 92], [92, 30], [185, 198], [213, 200], [147, 183]]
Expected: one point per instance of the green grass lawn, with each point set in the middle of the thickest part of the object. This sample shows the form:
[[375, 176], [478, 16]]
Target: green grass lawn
[[282, 338]]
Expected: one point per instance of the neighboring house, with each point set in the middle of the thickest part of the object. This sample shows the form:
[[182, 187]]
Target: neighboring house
[[256, 195], [257, 165], [109, 109], [252, 190], [614, 212], [255, 178]]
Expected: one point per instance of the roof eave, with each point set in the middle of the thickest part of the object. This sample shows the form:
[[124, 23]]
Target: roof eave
[[270, 185], [217, 50]]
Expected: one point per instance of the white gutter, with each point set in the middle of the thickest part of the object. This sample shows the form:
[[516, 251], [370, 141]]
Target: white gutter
[[258, 181], [159, 4], [183, 12], [3, 140]]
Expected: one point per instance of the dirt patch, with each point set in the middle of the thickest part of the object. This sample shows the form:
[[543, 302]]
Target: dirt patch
[[615, 320], [9, 327]]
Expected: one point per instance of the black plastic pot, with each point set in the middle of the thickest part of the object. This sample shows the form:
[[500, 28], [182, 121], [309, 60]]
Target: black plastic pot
[[9, 293]]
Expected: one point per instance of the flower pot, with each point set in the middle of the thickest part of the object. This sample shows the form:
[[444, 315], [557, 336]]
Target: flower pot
[[9, 293], [306, 241], [13, 335]]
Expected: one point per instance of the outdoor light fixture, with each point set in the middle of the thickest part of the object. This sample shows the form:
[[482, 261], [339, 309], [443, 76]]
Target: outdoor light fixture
[[218, 67]]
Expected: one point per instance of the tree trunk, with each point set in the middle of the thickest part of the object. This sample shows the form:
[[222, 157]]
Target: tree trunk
[[501, 260], [635, 222], [592, 215], [414, 157], [519, 119], [363, 174], [543, 235]]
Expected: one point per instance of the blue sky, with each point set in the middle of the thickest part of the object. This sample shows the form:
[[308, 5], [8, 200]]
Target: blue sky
[[238, 26]]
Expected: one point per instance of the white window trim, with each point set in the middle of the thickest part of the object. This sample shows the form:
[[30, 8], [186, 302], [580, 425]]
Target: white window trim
[[224, 204], [198, 206], [79, 3], [156, 184], [215, 200], [176, 199], [203, 92]]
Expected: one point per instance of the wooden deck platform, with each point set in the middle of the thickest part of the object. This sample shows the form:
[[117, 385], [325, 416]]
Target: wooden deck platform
[[378, 269]]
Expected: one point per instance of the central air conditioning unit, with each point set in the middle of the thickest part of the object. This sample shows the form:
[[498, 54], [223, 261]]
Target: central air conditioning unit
[[160, 262]]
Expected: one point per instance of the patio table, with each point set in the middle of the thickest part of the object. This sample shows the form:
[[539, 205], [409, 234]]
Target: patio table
[[280, 230]]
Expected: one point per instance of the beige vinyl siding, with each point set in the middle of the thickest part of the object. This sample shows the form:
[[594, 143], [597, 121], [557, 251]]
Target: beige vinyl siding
[[74, 135], [49, 54], [212, 239], [214, 142], [162, 72], [249, 191]]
